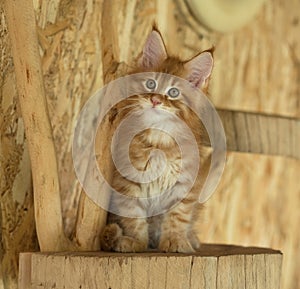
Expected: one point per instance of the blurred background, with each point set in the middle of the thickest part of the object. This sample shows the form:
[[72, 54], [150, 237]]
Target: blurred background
[[257, 69]]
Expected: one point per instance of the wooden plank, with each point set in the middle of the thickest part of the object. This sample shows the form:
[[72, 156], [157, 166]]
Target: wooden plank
[[213, 267], [260, 133]]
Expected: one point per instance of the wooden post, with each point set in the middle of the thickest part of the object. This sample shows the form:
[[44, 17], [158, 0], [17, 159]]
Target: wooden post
[[214, 267], [22, 30]]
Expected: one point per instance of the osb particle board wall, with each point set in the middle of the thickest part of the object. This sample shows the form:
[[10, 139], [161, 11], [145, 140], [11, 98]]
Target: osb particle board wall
[[256, 69]]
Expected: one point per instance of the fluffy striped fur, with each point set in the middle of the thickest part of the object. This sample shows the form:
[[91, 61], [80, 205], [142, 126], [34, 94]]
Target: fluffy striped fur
[[174, 230]]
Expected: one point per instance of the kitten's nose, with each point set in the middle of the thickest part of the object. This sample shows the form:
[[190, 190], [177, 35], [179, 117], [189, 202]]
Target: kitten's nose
[[155, 101]]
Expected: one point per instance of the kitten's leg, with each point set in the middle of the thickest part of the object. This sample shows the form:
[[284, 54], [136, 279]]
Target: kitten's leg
[[130, 236], [175, 228], [110, 236], [124, 234], [135, 235]]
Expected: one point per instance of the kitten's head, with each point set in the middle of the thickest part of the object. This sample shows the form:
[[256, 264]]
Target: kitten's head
[[154, 58]]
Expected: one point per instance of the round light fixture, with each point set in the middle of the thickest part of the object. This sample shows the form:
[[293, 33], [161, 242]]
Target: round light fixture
[[224, 15]]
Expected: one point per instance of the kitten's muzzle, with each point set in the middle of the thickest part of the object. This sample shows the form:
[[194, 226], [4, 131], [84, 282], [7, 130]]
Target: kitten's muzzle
[[155, 100]]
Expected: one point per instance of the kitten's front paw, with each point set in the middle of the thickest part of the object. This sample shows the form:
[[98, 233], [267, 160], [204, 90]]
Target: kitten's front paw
[[175, 243], [112, 239], [109, 237]]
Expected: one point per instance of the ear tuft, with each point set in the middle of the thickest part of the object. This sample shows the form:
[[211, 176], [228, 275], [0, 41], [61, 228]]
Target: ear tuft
[[199, 68], [154, 52]]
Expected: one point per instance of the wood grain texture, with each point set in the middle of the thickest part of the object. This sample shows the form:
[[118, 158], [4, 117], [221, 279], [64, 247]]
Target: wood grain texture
[[24, 279], [16, 196], [214, 267], [29, 79], [261, 133]]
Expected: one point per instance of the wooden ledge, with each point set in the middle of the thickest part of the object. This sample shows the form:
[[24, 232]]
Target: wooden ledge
[[213, 267]]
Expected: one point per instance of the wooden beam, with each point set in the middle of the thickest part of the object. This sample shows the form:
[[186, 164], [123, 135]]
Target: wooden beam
[[214, 267], [261, 133]]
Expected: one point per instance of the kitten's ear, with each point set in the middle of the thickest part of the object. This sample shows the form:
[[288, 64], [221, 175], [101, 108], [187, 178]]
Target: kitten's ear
[[199, 68], [154, 52]]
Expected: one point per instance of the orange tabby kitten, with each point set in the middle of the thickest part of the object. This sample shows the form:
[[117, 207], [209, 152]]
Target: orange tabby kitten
[[174, 230]]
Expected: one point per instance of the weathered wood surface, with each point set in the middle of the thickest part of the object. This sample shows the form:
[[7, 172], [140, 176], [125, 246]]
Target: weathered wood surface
[[214, 267]]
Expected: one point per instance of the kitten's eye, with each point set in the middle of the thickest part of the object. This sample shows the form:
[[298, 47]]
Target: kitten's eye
[[173, 92], [151, 83]]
